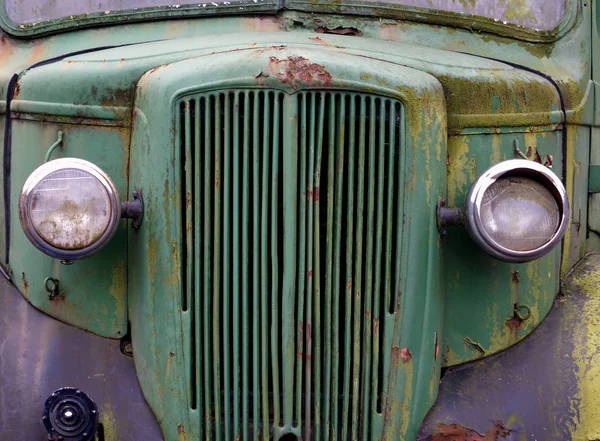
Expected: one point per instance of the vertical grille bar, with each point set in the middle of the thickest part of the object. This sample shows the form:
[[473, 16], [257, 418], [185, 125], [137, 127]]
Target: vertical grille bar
[[218, 232], [301, 291], [368, 283], [275, 293], [258, 344], [188, 259], [290, 262], [310, 146], [378, 239], [197, 323], [235, 255], [349, 325], [357, 365], [388, 307], [329, 403], [264, 269], [338, 176], [246, 270], [209, 186], [266, 118], [320, 403], [226, 293], [289, 306]]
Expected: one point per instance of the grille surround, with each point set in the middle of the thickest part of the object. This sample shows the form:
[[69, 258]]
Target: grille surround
[[293, 136]]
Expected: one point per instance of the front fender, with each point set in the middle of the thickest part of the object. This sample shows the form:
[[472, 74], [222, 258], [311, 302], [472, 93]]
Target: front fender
[[39, 354], [545, 388]]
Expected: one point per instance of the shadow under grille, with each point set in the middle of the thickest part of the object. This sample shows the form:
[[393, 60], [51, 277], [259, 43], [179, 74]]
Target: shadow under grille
[[292, 229]]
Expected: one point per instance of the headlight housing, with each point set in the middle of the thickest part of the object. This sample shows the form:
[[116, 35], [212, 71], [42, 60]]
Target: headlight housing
[[69, 208], [517, 210]]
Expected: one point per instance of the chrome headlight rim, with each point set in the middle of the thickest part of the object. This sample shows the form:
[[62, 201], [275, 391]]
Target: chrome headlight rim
[[38, 176], [521, 168]]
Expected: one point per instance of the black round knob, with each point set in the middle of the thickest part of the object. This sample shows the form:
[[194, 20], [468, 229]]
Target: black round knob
[[70, 415]]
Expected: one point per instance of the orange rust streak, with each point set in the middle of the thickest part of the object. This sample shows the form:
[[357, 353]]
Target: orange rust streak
[[456, 432]]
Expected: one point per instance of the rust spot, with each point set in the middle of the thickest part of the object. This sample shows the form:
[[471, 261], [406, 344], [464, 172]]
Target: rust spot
[[308, 344], [25, 285], [456, 432], [316, 194], [516, 276], [437, 347], [295, 71], [376, 325], [188, 200], [181, 435], [171, 354], [278, 48], [447, 158], [300, 353], [514, 323], [349, 284], [17, 89], [406, 355], [340, 30], [529, 151], [548, 161], [321, 41], [309, 273], [537, 158]]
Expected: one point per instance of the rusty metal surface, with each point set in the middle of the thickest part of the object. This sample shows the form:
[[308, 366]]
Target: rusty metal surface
[[39, 354], [543, 388]]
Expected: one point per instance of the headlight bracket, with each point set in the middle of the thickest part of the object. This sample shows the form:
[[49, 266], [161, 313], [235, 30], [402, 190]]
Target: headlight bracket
[[134, 209]]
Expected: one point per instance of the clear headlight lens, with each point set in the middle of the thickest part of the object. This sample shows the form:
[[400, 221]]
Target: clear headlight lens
[[69, 208], [519, 213], [517, 210]]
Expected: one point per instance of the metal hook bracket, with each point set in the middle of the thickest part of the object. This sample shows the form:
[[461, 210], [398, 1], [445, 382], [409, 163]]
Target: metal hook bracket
[[53, 146]]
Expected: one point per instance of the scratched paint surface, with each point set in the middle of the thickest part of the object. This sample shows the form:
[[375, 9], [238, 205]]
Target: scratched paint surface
[[482, 99]]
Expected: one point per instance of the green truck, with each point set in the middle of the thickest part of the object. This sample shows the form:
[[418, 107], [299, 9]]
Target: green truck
[[300, 220]]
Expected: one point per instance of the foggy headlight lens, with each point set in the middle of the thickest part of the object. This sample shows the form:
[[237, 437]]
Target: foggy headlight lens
[[519, 213], [517, 210], [69, 208]]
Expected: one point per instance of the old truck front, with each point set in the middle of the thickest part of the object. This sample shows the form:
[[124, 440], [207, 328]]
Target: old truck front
[[264, 204]]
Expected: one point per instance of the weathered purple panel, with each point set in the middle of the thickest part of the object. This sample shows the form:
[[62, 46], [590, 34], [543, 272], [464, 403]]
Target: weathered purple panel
[[33, 11], [535, 14]]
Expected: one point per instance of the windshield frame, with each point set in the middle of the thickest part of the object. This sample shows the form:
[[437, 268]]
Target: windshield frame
[[347, 7]]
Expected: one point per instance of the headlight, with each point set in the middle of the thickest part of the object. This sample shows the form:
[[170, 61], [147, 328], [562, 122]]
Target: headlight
[[69, 208], [517, 210]]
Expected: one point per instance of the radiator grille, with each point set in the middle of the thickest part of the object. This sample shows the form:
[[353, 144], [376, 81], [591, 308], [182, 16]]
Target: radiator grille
[[292, 234]]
